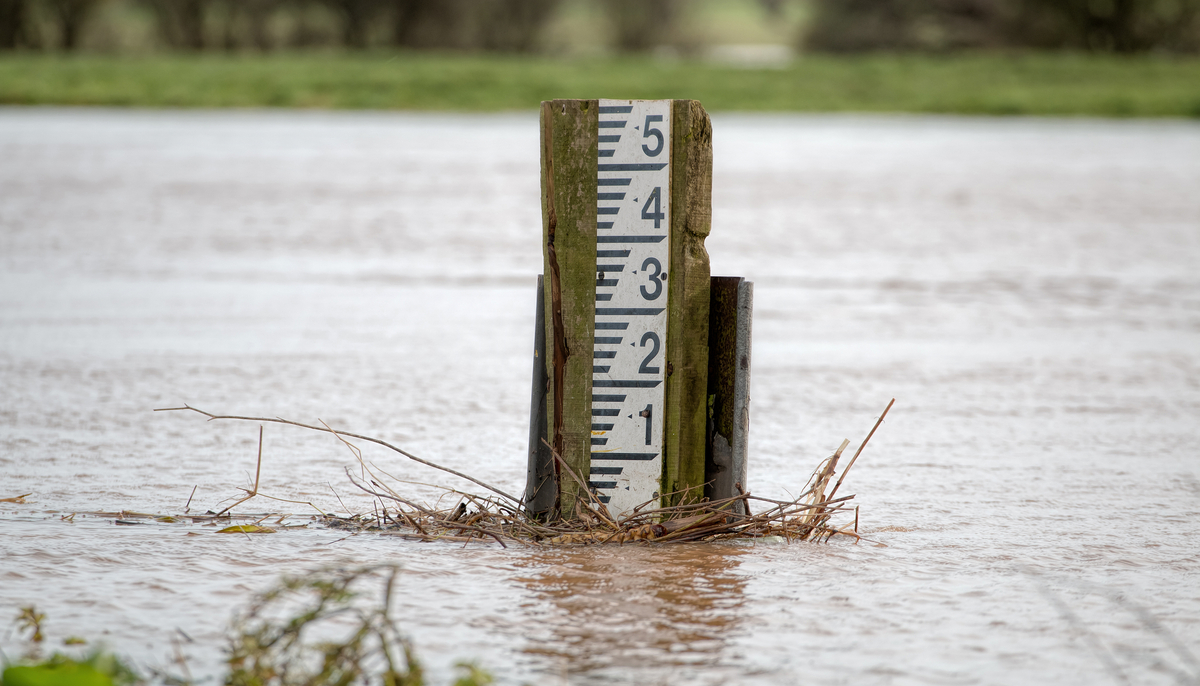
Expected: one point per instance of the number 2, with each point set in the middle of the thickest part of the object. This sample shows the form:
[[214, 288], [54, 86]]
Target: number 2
[[653, 338]]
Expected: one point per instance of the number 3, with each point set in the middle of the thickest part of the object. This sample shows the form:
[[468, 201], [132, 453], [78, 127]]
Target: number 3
[[654, 279], [647, 132]]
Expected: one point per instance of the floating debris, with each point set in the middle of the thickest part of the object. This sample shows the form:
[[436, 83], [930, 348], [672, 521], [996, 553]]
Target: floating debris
[[501, 518], [246, 529]]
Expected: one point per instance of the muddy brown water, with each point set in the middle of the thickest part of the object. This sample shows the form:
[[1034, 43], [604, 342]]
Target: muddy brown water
[[1028, 290]]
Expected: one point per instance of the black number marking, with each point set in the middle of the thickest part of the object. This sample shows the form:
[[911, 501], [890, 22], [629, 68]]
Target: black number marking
[[647, 132], [648, 413], [657, 215], [653, 338], [655, 279]]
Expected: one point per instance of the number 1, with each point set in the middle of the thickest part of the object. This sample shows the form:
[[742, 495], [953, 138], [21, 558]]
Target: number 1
[[648, 413]]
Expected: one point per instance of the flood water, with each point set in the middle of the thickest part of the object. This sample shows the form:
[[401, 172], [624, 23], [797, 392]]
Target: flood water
[[1028, 290]]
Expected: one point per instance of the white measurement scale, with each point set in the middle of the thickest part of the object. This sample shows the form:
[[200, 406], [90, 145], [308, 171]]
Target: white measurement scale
[[632, 266]]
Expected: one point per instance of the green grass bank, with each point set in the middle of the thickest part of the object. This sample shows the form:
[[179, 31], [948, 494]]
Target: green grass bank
[[984, 84]]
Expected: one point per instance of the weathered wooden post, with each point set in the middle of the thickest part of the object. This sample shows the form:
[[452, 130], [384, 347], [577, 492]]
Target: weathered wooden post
[[621, 377]]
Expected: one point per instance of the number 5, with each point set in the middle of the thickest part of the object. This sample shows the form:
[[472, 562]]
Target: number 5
[[648, 132]]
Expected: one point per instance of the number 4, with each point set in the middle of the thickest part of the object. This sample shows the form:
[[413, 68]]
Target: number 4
[[656, 200]]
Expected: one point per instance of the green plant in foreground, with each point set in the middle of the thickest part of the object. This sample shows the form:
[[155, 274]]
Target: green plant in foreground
[[472, 675], [98, 669], [29, 619], [319, 630], [322, 628]]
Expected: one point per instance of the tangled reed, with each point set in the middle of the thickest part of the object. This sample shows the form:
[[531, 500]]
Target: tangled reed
[[501, 517]]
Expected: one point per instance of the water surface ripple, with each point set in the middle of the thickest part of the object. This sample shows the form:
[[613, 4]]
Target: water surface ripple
[[1027, 290]]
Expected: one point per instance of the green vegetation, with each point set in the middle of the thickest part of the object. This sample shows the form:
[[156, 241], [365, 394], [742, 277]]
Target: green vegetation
[[98, 669], [329, 627], [996, 57], [993, 84]]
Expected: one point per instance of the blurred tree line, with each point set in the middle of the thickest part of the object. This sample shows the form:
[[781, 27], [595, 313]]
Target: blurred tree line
[[519, 26], [504, 25], [1122, 26], [461, 25]]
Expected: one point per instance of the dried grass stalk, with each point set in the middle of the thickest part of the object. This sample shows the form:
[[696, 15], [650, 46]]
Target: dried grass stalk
[[475, 517]]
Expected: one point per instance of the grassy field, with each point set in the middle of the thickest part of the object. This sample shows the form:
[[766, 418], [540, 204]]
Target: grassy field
[[1027, 84]]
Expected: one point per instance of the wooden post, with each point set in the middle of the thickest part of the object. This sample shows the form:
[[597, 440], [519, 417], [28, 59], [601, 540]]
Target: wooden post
[[626, 206], [687, 328], [569, 150]]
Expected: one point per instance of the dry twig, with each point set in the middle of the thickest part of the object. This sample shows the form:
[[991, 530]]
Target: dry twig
[[474, 517]]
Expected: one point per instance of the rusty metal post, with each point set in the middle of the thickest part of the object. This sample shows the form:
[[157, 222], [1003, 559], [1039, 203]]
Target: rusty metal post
[[541, 481], [728, 387]]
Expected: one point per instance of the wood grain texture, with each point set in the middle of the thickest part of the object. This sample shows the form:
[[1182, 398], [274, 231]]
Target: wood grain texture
[[569, 152], [688, 302]]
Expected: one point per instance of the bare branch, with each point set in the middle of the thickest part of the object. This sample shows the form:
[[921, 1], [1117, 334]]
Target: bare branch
[[279, 420]]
